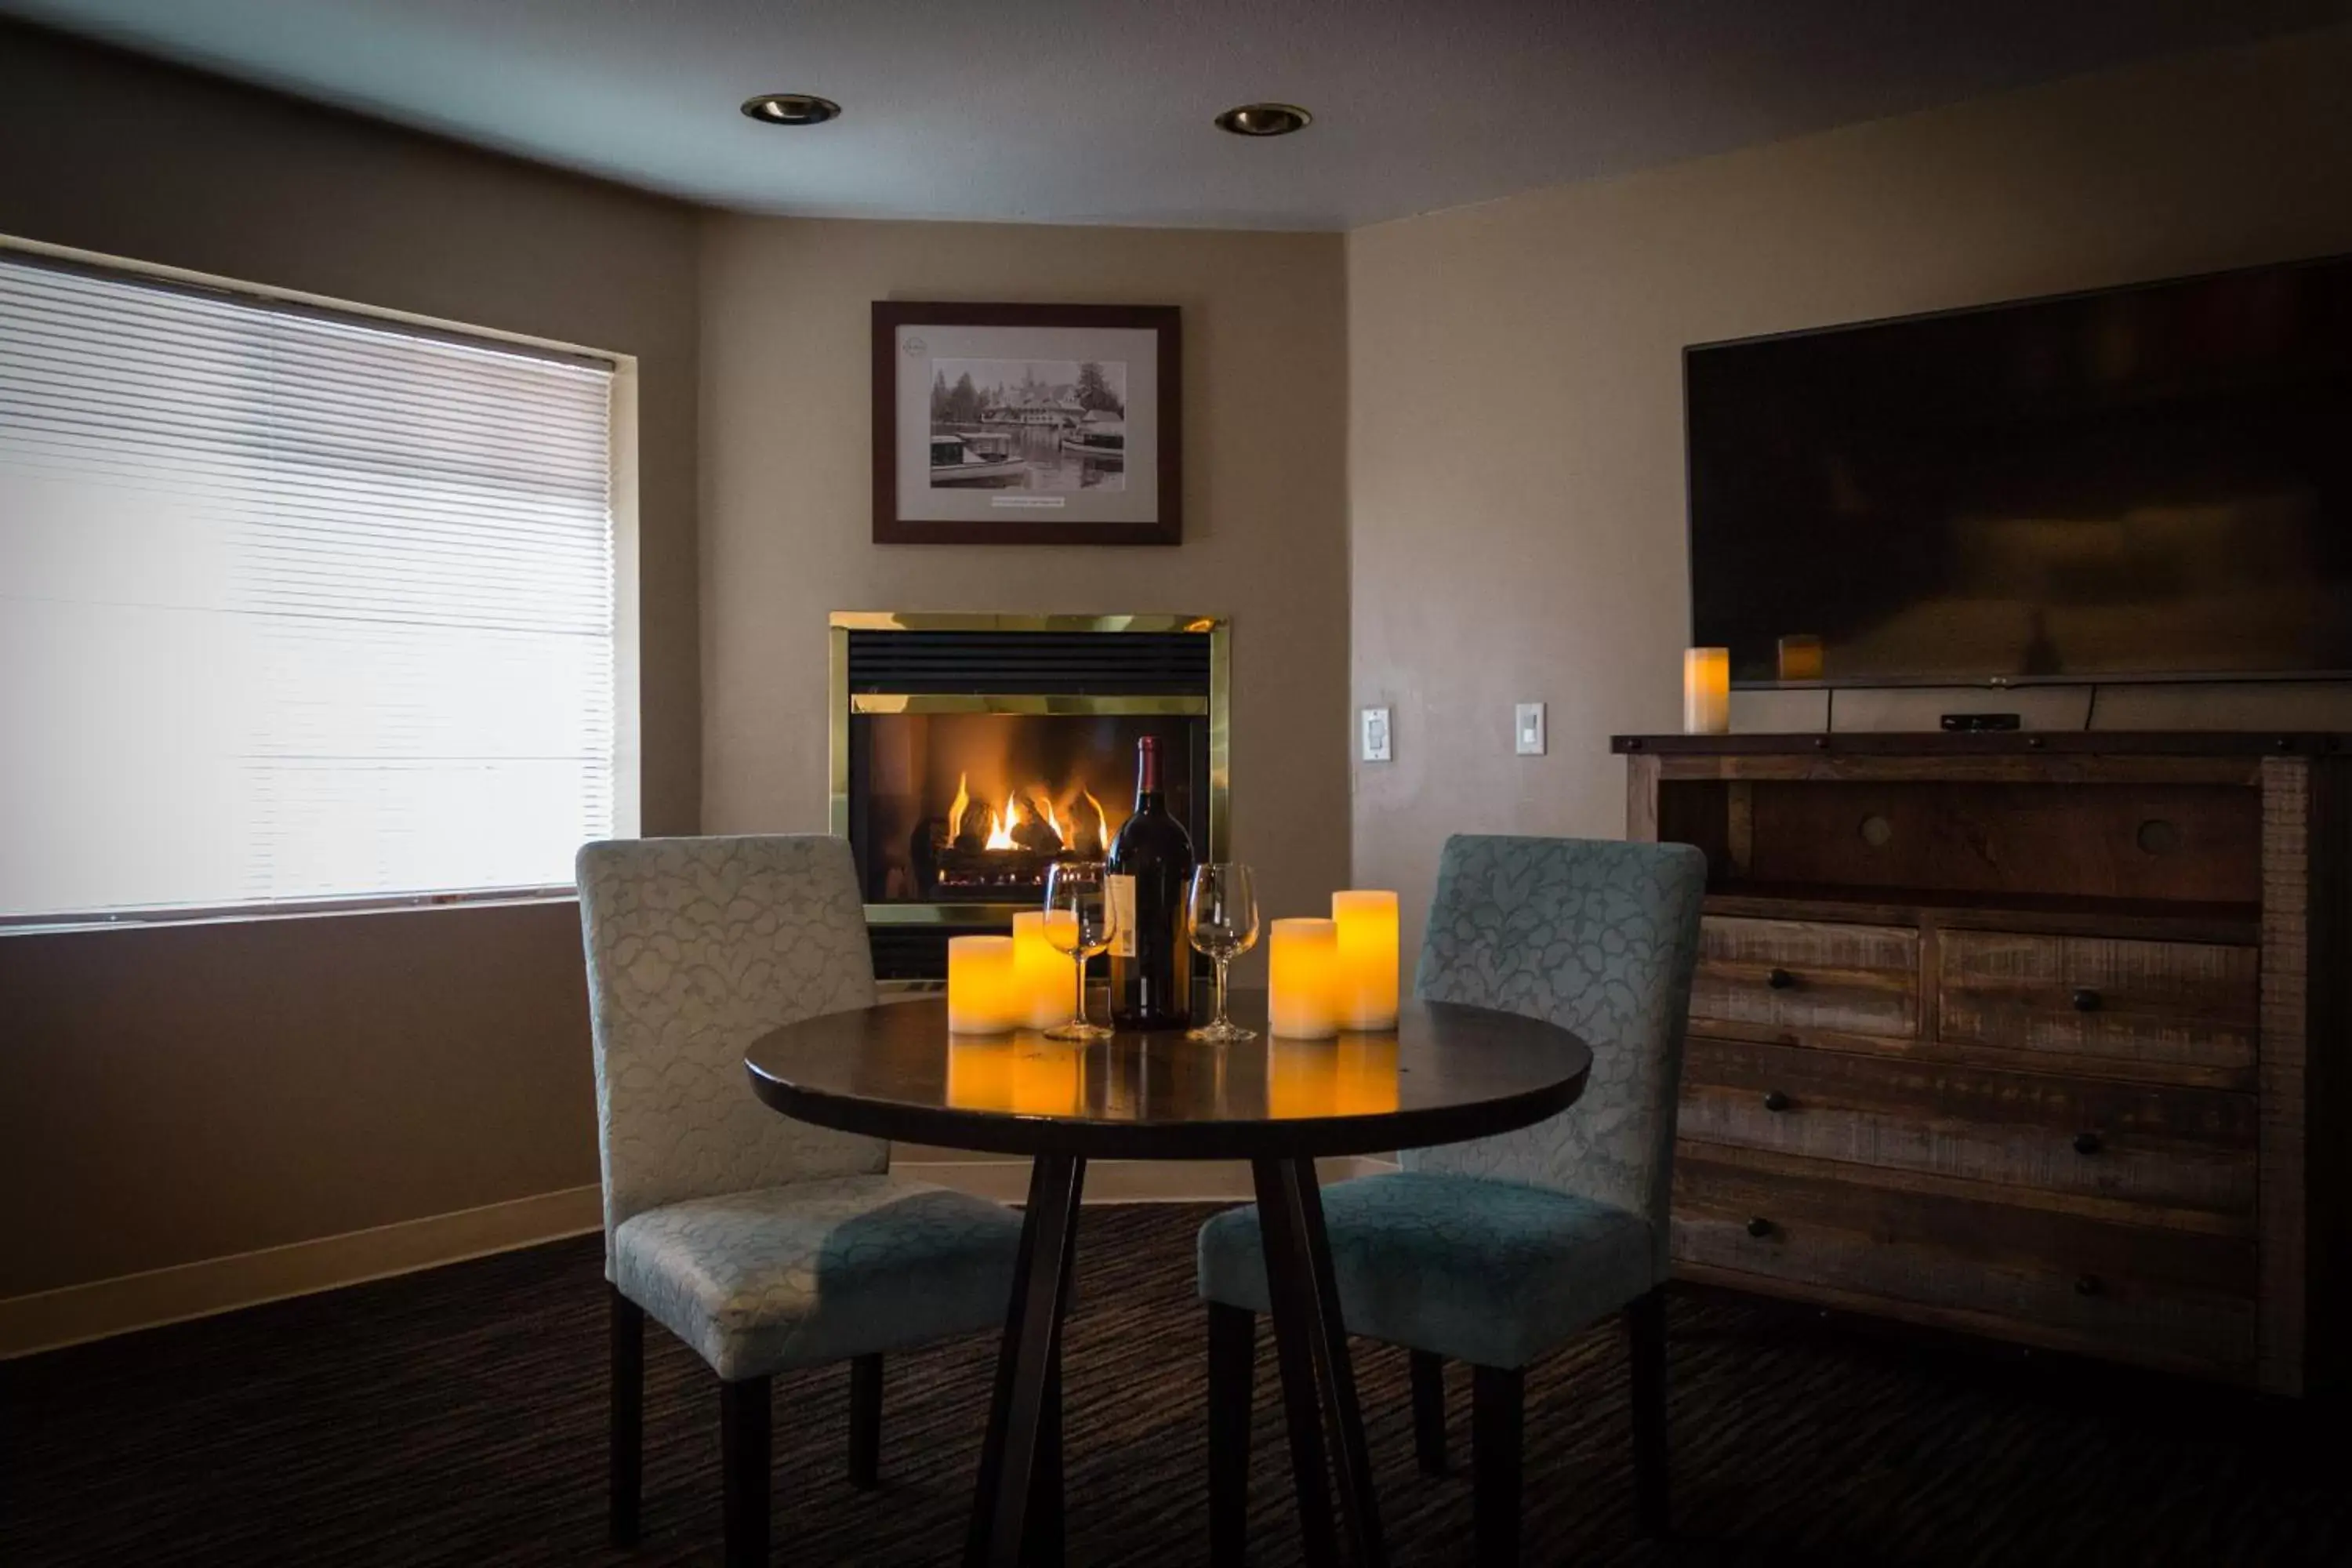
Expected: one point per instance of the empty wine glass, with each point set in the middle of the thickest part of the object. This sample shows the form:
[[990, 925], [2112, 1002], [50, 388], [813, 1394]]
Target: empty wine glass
[[1081, 922], [1221, 920]]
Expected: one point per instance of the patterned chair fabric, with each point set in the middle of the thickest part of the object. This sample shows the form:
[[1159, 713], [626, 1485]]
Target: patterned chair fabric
[[761, 1241], [1493, 1251]]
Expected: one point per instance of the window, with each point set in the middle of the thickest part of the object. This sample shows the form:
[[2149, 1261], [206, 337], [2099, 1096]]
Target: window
[[294, 605]]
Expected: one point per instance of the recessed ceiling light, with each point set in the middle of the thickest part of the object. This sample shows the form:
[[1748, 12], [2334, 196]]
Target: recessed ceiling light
[[1265, 119], [791, 109]]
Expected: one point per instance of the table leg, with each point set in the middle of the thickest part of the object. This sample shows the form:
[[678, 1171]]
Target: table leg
[[1026, 1365], [1319, 1381]]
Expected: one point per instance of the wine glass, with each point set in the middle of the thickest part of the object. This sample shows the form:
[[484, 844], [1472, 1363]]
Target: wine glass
[[1221, 920], [1081, 922]]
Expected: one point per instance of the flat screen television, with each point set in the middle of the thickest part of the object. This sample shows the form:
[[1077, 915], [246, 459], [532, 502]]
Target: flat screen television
[[2151, 483]]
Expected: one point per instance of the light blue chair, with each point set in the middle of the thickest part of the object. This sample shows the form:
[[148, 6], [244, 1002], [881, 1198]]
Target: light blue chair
[[766, 1244], [1496, 1251]]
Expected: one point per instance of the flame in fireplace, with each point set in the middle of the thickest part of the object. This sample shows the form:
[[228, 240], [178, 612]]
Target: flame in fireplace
[[1000, 828], [963, 804], [1102, 823]]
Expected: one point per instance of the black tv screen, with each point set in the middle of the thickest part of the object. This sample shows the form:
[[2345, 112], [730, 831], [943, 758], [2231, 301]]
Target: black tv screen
[[2147, 483]]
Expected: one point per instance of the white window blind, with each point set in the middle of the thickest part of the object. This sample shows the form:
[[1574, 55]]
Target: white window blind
[[292, 607]]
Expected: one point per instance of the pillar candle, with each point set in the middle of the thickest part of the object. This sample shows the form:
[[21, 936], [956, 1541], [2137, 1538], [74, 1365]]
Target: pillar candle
[[1304, 961], [1801, 657], [981, 999], [1367, 959], [1044, 975], [1706, 691]]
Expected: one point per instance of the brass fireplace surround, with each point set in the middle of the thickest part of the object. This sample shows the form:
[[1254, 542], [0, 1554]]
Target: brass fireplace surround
[[842, 703]]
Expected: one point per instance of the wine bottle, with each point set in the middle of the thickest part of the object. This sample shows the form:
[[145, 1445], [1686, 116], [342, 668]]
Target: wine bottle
[[1151, 867]]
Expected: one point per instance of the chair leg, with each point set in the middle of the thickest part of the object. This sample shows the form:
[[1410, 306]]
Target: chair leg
[[1429, 1411], [865, 1421], [1497, 1407], [1645, 1326], [743, 1410], [628, 1423], [1233, 1364]]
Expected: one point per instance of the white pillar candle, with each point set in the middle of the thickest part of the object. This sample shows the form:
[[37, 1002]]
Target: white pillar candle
[[1304, 965], [1044, 977], [980, 996], [1367, 959], [1706, 691]]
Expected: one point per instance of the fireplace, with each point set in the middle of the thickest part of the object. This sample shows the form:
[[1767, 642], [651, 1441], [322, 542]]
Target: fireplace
[[969, 752]]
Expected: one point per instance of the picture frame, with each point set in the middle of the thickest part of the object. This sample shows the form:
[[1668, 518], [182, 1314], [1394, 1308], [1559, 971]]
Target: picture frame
[[998, 423]]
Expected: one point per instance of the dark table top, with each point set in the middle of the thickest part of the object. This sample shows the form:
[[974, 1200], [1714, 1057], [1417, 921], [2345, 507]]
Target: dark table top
[[1446, 1074]]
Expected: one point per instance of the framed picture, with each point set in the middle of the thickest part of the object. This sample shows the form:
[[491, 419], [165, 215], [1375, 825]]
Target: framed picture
[[1027, 424]]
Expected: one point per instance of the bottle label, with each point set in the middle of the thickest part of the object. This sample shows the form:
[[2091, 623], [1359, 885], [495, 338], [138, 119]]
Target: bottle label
[[1119, 892]]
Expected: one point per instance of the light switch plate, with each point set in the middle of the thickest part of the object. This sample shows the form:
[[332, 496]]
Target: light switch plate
[[1376, 735], [1529, 729]]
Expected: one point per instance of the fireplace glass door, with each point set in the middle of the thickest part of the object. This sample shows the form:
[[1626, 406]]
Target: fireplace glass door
[[970, 807]]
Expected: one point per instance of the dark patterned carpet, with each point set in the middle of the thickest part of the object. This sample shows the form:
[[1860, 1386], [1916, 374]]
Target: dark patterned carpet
[[458, 1417]]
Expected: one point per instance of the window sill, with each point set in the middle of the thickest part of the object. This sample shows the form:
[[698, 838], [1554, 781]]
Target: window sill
[[312, 909]]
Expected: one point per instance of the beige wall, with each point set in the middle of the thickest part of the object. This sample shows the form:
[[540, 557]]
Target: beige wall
[[1515, 383], [172, 1095], [786, 500]]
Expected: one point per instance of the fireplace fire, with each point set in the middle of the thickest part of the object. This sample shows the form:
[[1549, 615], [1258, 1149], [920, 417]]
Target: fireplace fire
[[977, 849], [970, 752]]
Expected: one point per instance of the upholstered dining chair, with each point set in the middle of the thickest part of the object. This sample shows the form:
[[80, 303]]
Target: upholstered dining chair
[[766, 1244], [1496, 1251]]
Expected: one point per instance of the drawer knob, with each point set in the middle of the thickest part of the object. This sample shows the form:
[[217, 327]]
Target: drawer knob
[[2087, 1285], [1759, 1228], [1775, 1101], [1780, 980], [2085, 1000], [2088, 1143]]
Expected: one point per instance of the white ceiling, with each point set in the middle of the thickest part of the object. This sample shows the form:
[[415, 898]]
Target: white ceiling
[[1099, 110]]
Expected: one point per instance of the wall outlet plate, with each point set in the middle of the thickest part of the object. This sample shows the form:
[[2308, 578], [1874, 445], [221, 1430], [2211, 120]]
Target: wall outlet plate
[[1375, 746], [1528, 729]]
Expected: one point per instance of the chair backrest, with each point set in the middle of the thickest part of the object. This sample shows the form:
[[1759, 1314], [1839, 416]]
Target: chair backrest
[[1600, 938], [696, 948]]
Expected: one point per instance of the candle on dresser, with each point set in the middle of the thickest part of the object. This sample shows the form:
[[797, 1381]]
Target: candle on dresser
[[1706, 691], [1367, 958], [1303, 965], [1042, 977], [982, 997]]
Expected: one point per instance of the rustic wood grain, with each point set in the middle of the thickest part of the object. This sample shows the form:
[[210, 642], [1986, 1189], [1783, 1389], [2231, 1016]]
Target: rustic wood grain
[[2285, 1023], [2157, 1002], [2120, 1289], [2164, 1148], [1642, 800], [1832, 768], [2010, 838], [2327, 1077], [1997, 1059], [1847, 978], [2157, 920], [1937, 1089]]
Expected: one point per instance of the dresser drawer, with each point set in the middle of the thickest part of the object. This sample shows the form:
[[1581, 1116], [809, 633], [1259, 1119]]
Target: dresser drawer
[[2186, 1011], [1779, 977], [2165, 1148], [2178, 1297]]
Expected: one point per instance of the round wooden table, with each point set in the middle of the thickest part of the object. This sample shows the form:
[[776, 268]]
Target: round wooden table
[[1446, 1073]]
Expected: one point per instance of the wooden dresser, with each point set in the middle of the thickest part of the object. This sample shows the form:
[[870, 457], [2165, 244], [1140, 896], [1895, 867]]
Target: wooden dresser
[[2038, 1035]]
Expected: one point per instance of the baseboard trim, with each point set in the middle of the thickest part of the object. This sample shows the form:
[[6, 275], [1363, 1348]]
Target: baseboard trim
[[1126, 1181], [51, 1320], [75, 1314]]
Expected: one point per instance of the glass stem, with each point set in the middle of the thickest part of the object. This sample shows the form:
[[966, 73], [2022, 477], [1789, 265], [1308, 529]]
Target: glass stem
[[1220, 993], [1078, 963]]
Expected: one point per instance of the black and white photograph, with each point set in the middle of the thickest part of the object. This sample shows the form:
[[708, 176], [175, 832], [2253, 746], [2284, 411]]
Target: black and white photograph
[[1029, 425], [999, 424]]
